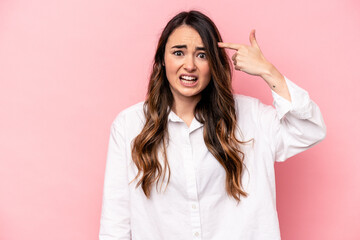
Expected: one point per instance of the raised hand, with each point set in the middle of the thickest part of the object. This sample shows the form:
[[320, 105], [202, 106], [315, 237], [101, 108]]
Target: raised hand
[[248, 59], [251, 60]]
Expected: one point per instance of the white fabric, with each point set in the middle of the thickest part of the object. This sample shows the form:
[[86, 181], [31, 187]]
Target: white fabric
[[195, 204]]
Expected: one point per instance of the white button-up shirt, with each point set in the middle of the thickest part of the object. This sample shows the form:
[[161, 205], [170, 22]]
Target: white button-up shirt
[[195, 204]]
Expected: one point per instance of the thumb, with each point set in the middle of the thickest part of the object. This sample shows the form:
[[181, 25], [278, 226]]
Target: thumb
[[253, 39]]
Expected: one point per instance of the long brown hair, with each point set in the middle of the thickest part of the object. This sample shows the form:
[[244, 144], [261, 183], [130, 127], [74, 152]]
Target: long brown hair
[[215, 110]]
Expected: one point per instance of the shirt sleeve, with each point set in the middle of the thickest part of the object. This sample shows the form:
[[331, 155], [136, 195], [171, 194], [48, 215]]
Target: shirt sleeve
[[115, 215], [294, 126]]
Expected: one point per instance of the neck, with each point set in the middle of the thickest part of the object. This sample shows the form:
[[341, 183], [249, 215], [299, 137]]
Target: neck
[[184, 107]]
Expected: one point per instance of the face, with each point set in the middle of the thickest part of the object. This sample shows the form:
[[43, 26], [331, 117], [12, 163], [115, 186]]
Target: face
[[186, 64]]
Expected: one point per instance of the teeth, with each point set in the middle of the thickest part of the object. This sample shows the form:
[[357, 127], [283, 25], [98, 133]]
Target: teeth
[[188, 78]]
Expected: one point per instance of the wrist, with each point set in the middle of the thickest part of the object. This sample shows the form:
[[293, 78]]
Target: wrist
[[276, 81], [268, 71]]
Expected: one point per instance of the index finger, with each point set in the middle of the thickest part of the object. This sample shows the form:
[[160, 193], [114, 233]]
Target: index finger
[[233, 46]]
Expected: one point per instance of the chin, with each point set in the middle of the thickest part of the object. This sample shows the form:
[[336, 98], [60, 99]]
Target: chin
[[190, 94]]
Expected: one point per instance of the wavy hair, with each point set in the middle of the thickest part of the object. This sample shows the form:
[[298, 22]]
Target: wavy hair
[[215, 110]]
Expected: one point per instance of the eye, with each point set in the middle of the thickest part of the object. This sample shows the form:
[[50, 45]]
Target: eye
[[202, 55], [178, 53]]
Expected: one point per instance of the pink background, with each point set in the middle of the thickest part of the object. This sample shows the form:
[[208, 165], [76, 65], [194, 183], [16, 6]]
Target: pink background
[[68, 67]]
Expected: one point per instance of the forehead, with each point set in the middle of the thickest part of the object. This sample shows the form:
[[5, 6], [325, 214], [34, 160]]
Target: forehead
[[184, 35]]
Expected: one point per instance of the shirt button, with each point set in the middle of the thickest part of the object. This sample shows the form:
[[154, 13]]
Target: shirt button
[[194, 206], [196, 234]]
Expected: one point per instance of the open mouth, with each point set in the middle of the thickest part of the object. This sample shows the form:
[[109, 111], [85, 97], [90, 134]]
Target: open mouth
[[188, 80]]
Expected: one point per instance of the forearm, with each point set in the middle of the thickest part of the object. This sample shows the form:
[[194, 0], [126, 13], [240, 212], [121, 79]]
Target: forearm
[[276, 81]]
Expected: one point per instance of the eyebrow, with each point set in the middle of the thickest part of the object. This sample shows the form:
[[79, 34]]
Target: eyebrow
[[184, 46]]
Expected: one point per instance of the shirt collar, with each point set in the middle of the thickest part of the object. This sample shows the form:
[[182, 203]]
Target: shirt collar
[[174, 118], [195, 124]]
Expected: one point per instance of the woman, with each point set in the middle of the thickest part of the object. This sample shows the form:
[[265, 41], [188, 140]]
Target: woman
[[195, 161]]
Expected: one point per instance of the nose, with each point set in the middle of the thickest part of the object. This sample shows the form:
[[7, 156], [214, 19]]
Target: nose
[[189, 64]]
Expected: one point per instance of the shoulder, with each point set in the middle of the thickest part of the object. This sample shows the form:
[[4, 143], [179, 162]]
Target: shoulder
[[246, 104], [242, 99], [132, 115], [252, 109]]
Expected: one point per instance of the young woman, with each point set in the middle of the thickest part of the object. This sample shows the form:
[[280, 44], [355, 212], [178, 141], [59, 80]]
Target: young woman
[[195, 161]]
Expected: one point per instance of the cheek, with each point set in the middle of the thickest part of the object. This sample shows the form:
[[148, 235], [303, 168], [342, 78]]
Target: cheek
[[170, 71], [170, 64], [206, 72], [169, 68]]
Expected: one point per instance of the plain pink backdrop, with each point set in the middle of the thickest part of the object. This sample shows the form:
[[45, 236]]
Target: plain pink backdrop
[[68, 67]]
